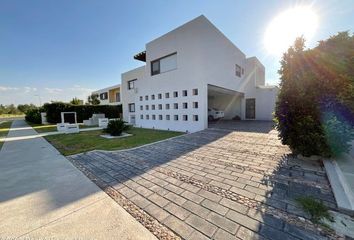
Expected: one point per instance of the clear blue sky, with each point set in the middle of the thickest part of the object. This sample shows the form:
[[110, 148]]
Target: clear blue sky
[[62, 49]]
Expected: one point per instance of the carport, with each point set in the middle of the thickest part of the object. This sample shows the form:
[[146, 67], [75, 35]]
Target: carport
[[226, 100]]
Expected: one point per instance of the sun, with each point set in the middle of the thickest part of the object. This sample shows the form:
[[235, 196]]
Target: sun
[[287, 26]]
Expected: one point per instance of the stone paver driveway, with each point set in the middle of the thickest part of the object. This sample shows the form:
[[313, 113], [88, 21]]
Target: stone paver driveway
[[214, 184]]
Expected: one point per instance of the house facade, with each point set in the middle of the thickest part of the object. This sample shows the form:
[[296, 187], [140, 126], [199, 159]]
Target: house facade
[[110, 95], [189, 70]]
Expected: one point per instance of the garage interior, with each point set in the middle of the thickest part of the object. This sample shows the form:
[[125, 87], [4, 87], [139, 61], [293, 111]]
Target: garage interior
[[226, 100]]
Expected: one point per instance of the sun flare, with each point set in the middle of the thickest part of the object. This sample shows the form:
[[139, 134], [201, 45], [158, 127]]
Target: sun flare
[[287, 26]]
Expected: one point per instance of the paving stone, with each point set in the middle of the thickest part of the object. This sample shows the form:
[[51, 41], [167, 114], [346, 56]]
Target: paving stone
[[196, 209], [127, 192], [302, 233], [223, 222], [275, 234], [174, 188], [177, 211], [244, 162], [243, 192], [175, 198], [234, 205], [197, 236], [178, 226], [192, 196], [209, 195], [214, 206], [157, 199], [223, 235], [245, 233], [140, 201], [243, 220], [202, 225], [157, 212]]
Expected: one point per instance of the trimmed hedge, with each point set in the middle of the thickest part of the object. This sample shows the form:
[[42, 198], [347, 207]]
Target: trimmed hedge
[[34, 115], [83, 112]]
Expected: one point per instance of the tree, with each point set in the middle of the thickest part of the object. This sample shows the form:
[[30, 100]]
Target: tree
[[93, 99], [76, 101], [315, 107], [24, 108]]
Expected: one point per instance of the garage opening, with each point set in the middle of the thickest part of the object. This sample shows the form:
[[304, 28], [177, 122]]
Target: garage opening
[[223, 104]]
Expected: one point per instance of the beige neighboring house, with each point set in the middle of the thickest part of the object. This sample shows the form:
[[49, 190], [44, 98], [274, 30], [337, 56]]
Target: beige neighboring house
[[109, 95]]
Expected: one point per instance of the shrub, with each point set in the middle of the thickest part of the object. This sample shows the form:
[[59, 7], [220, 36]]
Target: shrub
[[34, 115], [315, 108], [116, 127], [83, 112]]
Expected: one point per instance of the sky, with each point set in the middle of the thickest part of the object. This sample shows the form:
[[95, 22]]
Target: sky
[[57, 50]]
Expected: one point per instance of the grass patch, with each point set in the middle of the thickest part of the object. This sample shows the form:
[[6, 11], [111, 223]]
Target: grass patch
[[316, 209], [69, 144], [4, 130], [40, 128]]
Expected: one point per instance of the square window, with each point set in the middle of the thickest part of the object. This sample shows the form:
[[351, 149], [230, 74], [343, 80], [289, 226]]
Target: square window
[[195, 91], [147, 117], [131, 107], [159, 96], [167, 95], [195, 118], [175, 117], [153, 117], [152, 107], [175, 94], [152, 97], [131, 84], [160, 117], [184, 93], [185, 117], [141, 98], [141, 116], [167, 106], [146, 107], [141, 107], [146, 97], [160, 106], [185, 105], [195, 104], [168, 117], [175, 105], [155, 67]]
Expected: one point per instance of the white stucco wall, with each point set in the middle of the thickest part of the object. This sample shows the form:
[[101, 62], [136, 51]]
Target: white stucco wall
[[204, 56]]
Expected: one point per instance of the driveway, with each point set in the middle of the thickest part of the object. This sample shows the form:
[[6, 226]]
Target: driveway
[[43, 196], [219, 183]]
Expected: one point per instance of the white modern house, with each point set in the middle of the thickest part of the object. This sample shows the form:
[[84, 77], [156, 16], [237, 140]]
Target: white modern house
[[189, 70], [109, 95]]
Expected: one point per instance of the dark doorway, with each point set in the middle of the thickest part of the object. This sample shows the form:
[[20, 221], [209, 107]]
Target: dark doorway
[[250, 108]]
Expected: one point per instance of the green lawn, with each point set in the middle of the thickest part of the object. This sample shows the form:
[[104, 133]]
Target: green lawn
[[40, 128], [11, 115], [4, 129], [69, 144]]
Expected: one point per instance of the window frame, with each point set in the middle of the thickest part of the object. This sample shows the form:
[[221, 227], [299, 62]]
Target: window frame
[[152, 73], [238, 70], [129, 107], [129, 82]]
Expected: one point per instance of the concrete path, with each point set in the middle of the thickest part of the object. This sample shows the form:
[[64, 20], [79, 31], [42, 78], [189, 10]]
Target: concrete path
[[42, 195]]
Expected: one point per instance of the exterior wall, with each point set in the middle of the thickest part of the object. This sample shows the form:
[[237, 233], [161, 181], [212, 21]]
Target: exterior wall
[[204, 56], [253, 87], [111, 91]]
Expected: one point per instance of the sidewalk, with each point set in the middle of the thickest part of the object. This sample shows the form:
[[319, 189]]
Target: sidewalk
[[43, 196]]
